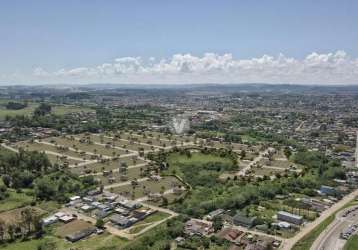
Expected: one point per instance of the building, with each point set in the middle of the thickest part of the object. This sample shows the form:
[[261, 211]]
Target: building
[[198, 227], [291, 218], [245, 221], [49, 220], [214, 214], [122, 221], [327, 190]]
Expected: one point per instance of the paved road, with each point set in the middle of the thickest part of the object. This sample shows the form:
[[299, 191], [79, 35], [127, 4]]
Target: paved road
[[330, 239], [289, 243]]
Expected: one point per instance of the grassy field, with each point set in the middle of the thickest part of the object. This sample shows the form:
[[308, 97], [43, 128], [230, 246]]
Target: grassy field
[[72, 227], [94, 242], [58, 109], [43, 147], [110, 165], [152, 186], [15, 200], [352, 243], [176, 159], [91, 148]]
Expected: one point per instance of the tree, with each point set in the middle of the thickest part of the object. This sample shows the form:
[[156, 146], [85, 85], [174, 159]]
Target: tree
[[42, 110], [287, 152], [217, 223], [242, 154], [99, 223]]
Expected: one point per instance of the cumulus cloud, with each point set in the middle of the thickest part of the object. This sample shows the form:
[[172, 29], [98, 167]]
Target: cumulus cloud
[[335, 67]]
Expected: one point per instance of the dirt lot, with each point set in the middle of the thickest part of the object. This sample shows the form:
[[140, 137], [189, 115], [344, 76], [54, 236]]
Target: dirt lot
[[72, 227], [14, 216]]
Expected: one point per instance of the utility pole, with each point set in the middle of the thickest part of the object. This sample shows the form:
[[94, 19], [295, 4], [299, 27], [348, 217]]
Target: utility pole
[[356, 156]]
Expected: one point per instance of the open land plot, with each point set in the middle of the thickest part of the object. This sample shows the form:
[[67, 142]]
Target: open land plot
[[45, 147], [171, 197], [31, 106], [109, 165], [134, 146], [13, 216], [147, 141], [72, 227], [123, 142], [276, 163], [85, 147], [266, 171], [175, 161], [167, 182], [132, 173], [9, 112], [55, 159], [15, 200], [103, 241]]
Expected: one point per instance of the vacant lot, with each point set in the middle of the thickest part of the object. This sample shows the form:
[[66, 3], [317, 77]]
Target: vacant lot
[[15, 200], [85, 147], [44, 147], [167, 182], [14, 216], [196, 159], [72, 227], [108, 165]]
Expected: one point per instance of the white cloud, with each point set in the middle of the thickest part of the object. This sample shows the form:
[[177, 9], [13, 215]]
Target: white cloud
[[335, 67]]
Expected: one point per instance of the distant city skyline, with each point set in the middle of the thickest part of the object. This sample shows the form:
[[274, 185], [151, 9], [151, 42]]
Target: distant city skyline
[[159, 42]]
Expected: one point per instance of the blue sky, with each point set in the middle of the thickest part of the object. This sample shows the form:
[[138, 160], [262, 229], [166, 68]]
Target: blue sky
[[43, 41]]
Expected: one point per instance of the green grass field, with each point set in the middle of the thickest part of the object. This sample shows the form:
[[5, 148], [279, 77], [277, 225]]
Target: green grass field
[[103, 241], [176, 159], [15, 200], [153, 186], [352, 243], [56, 109]]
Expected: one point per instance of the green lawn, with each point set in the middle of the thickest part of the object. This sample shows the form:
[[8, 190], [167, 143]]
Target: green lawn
[[352, 243]]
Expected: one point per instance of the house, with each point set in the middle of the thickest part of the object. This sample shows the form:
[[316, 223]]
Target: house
[[87, 208], [67, 218], [291, 218], [327, 190], [230, 234], [49, 220], [81, 234], [74, 198], [122, 221], [243, 220], [122, 211], [131, 205], [198, 227], [214, 214]]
